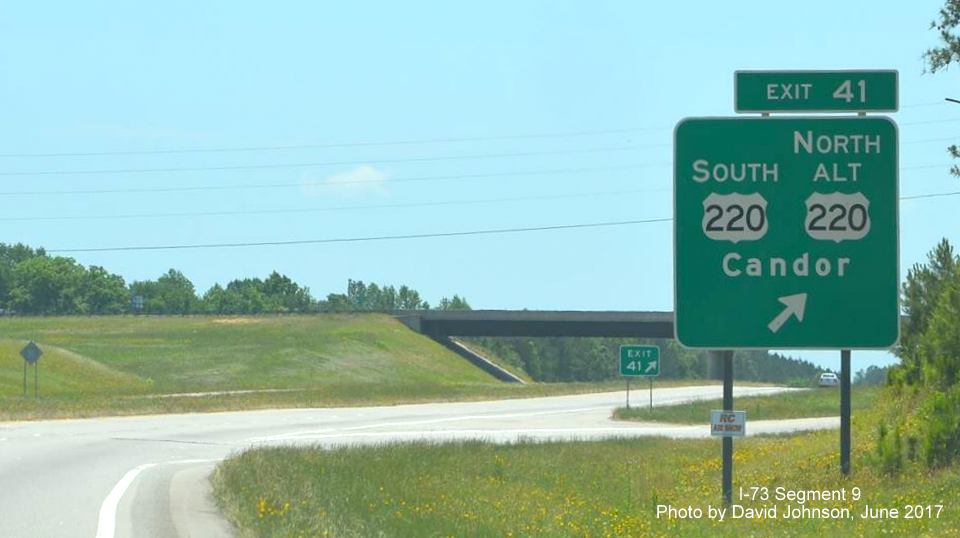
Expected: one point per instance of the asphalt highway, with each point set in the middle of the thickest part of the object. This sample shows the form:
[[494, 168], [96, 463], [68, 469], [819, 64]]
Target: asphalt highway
[[146, 476]]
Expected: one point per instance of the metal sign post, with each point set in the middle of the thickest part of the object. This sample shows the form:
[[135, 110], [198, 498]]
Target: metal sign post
[[845, 412], [727, 479], [31, 354], [640, 361], [628, 393], [651, 394], [786, 230], [728, 424]]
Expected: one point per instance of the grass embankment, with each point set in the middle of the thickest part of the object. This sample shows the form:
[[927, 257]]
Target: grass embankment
[[606, 488], [822, 402], [186, 354], [94, 366]]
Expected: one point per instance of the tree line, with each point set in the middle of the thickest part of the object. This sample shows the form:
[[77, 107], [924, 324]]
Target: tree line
[[929, 372], [928, 377], [35, 283], [566, 359]]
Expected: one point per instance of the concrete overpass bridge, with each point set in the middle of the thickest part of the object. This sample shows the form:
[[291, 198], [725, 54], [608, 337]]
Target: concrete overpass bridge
[[445, 325]]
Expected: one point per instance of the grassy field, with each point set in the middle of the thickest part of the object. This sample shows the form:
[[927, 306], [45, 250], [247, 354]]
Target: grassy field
[[823, 402], [186, 354], [97, 365], [606, 488], [331, 395], [94, 366]]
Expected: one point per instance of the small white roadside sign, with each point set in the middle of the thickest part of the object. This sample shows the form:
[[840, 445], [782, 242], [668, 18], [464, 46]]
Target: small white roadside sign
[[728, 423]]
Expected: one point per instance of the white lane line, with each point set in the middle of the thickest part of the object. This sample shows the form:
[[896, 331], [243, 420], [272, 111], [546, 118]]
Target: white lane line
[[107, 522], [175, 462], [423, 422], [325, 432]]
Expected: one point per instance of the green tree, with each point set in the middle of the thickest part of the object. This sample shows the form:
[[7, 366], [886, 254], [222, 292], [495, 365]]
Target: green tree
[[940, 347], [456, 303], [872, 375], [947, 52], [10, 256], [930, 352], [246, 297], [920, 295], [408, 299], [102, 292], [44, 285], [216, 301], [361, 297], [285, 295], [172, 293], [337, 302]]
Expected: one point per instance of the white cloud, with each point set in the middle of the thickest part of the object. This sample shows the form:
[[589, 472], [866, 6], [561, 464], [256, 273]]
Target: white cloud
[[364, 180]]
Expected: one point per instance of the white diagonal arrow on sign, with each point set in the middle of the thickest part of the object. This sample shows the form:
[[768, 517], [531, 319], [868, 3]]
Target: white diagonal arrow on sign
[[795, 305], [651, 367]]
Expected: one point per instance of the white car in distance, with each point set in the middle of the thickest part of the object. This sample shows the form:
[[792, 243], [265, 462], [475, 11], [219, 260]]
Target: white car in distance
[[829, 379]]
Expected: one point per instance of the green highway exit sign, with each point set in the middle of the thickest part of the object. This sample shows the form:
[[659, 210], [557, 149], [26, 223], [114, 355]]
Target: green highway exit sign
[[639, 361], [816, 91], [786, 233]]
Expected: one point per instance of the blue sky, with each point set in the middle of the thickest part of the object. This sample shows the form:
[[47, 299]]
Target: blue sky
[[127, 77]]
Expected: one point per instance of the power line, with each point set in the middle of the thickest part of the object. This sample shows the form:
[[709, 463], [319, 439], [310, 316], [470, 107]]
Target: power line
[[405, 236], [339, 163], [924, 166], [928, 140], [370, 143], [928, 103], [367, 239], [314, 164], [332, 145], [332, 208], [930, 195], [464, 177], [370, 206], [372, 161], [330, 184], [324, 184]]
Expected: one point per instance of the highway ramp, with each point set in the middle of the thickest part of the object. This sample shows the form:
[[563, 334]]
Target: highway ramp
[[146, 476]]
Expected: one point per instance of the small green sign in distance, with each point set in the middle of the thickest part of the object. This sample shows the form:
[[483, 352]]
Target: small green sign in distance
[[816, 91], [639, 361], [786, 233]]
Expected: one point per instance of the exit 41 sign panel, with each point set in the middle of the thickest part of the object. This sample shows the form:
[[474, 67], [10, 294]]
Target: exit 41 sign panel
[[786, 233], [816, 91]]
